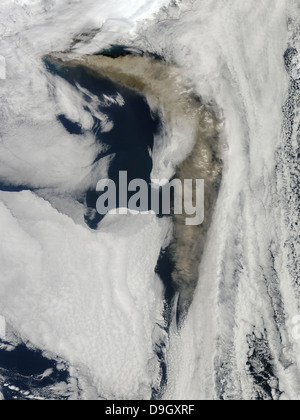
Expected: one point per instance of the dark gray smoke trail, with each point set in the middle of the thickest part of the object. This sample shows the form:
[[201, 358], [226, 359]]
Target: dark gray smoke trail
[[185, 120]]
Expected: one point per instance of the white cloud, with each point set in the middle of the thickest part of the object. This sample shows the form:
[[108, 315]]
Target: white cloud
[[2, 328], [90, 297], [232, 52]]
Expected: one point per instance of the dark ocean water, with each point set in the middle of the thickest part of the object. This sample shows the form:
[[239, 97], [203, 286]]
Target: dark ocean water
[[116, 51], [23, 368], [12, 188], [130, 142]]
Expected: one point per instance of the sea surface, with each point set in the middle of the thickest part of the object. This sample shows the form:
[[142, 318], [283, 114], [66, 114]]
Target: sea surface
[[129, 143]]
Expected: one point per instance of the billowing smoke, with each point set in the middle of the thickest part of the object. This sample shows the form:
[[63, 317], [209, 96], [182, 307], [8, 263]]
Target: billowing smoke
[[187, 124]]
